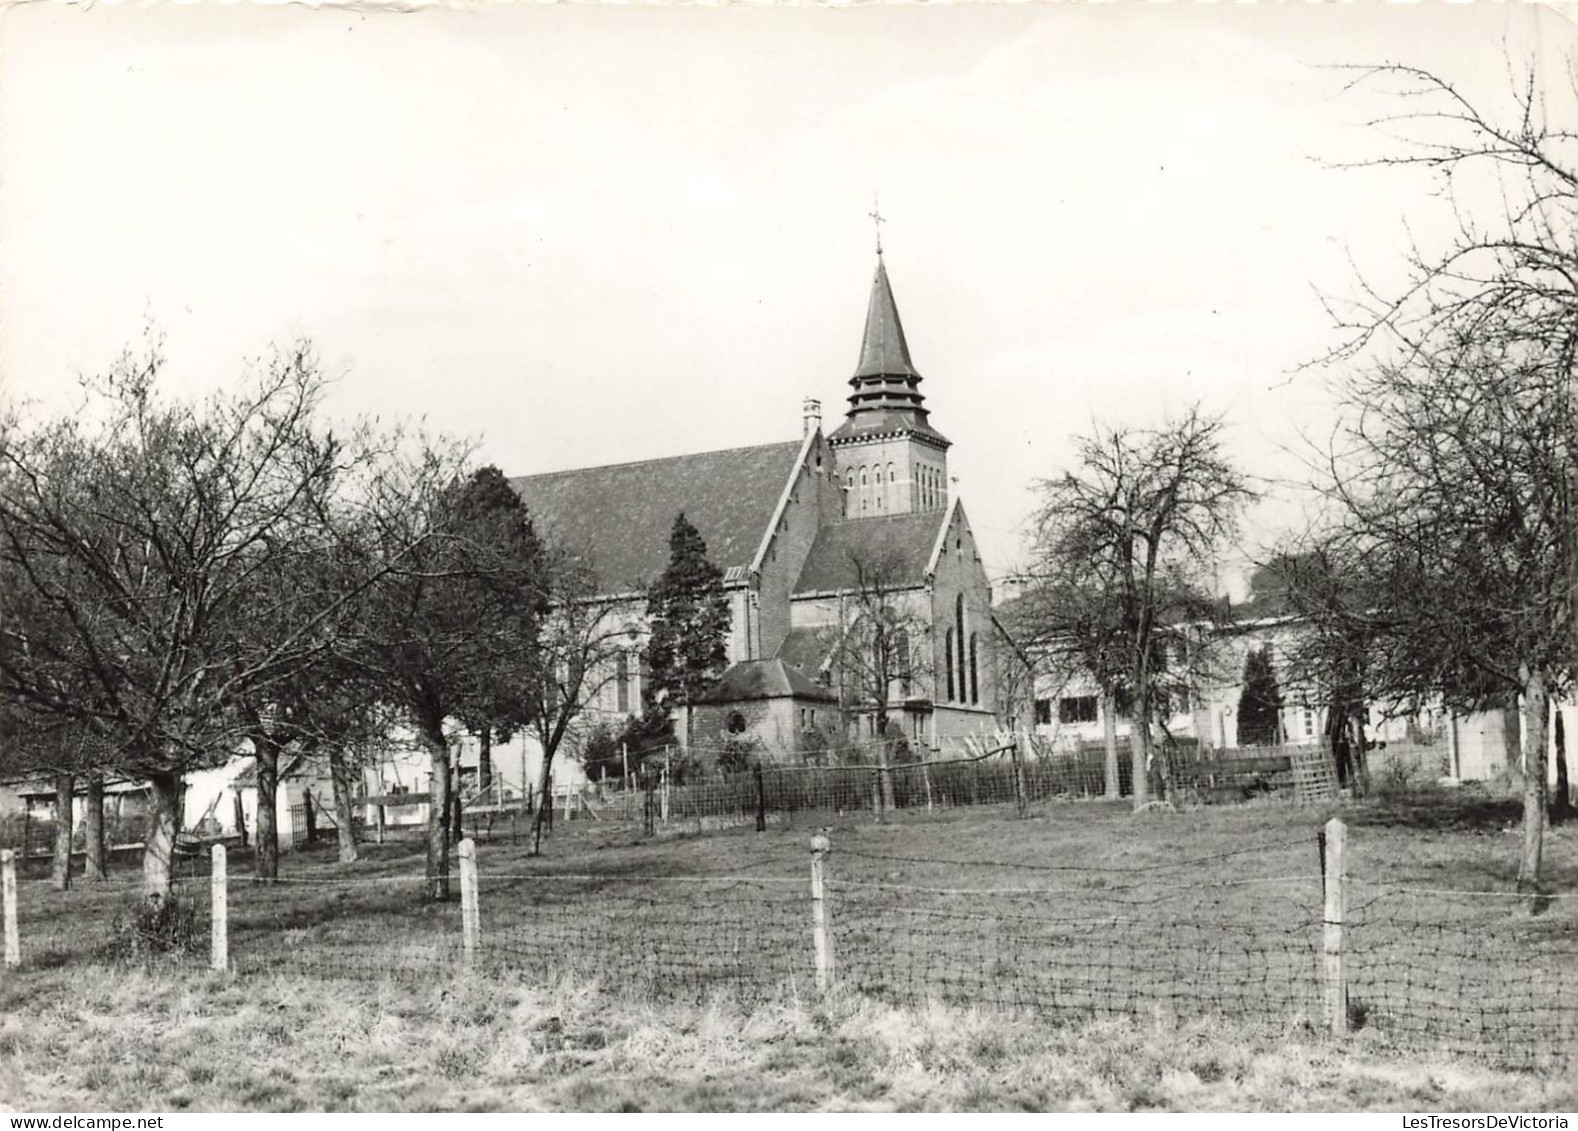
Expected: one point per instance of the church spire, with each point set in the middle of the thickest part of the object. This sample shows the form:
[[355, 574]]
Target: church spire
[[883, 351], [886, 399]]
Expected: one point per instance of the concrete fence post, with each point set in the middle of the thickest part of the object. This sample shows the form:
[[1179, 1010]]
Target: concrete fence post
[[1334, 845], [1021, 799], [13, 941], [219, 912], [470, 920], [820, 939]]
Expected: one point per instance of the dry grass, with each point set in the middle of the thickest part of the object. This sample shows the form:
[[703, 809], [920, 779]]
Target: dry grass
[[100, 1040], [81, 1036]]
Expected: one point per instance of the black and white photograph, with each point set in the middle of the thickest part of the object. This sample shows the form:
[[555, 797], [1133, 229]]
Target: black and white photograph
[[818, 557]]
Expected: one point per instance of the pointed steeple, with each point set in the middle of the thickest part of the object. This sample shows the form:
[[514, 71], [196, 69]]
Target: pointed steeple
[[886, 400], [883, 351]]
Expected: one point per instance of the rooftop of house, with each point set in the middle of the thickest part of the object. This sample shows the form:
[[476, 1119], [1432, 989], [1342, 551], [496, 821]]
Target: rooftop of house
[[766, 679]]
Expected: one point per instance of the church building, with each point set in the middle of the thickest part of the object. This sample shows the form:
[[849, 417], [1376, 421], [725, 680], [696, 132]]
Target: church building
[[815, 536]]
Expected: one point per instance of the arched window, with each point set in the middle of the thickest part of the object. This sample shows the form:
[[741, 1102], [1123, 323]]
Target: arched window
[[901, 659], [958, 622], [622, 681], [948, 656], [862, 475], [975, 685], [891, 477]]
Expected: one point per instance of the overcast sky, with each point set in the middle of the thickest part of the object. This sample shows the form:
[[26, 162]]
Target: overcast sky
[[583, 235]]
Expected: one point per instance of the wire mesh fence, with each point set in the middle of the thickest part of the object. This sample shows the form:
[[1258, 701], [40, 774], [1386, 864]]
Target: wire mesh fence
[[1015, 771], [1469, 971], [1239, 934]]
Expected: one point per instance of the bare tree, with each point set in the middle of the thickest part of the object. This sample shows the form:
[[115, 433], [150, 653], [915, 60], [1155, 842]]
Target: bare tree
[[1511, 180], [1136, 525], [1493, 309], [582, 639], [132, 529], [1452, 476], [881, 646], [455, 610]]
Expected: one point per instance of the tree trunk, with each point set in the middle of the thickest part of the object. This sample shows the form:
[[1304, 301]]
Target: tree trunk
[[265, 856], [1140, 741], [60, 874], [1536, 710], [93, 829], [884, 776], [1561, 803], [485, 761], [340, 774], [1359, 752], [1109, 715], [438, 813], [164, 821], [309, 815], [240, 811], [544, 801]]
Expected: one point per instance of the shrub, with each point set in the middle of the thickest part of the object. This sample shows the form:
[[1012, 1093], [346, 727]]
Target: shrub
[[737, 754], [156, 926]]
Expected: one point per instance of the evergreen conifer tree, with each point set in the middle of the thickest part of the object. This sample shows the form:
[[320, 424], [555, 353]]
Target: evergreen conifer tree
[[690, 622], [1260, 705]]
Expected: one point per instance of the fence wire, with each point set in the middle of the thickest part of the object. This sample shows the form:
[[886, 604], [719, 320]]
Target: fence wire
[[1469, 971], [1234, 934]]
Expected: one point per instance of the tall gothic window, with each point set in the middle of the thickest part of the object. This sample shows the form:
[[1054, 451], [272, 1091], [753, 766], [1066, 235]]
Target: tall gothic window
[[975, 685], [622, 682], [958, 622], [948, 655], [901, 654]]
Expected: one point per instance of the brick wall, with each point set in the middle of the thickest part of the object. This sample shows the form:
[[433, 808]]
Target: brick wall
[[813, 501]]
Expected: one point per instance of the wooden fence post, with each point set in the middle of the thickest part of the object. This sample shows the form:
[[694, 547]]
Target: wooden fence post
[[663, 796], [761, 801], [13, 942], [1334, 844], [218, 913], [470, 921], [819, 936]]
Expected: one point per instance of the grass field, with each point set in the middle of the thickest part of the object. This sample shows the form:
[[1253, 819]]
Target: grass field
[[1080, 958]]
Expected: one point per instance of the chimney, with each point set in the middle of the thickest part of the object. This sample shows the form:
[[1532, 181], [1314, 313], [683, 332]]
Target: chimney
[[811, 412]]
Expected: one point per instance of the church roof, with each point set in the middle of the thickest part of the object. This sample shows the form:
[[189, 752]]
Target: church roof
[[883, 350], [618, 517], [899, 545], [805, 647], [765, 679]]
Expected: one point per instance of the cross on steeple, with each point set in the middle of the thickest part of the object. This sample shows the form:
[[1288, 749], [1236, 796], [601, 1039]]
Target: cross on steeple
[[876, 218]]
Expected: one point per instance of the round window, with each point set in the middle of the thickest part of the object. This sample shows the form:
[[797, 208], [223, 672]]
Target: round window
[[736, 723]]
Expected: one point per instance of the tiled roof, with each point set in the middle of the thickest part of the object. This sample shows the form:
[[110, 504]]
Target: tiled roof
[[805, 648], [885, 422], [765, 679], [898, 545], [883, 350], [619, 517]]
